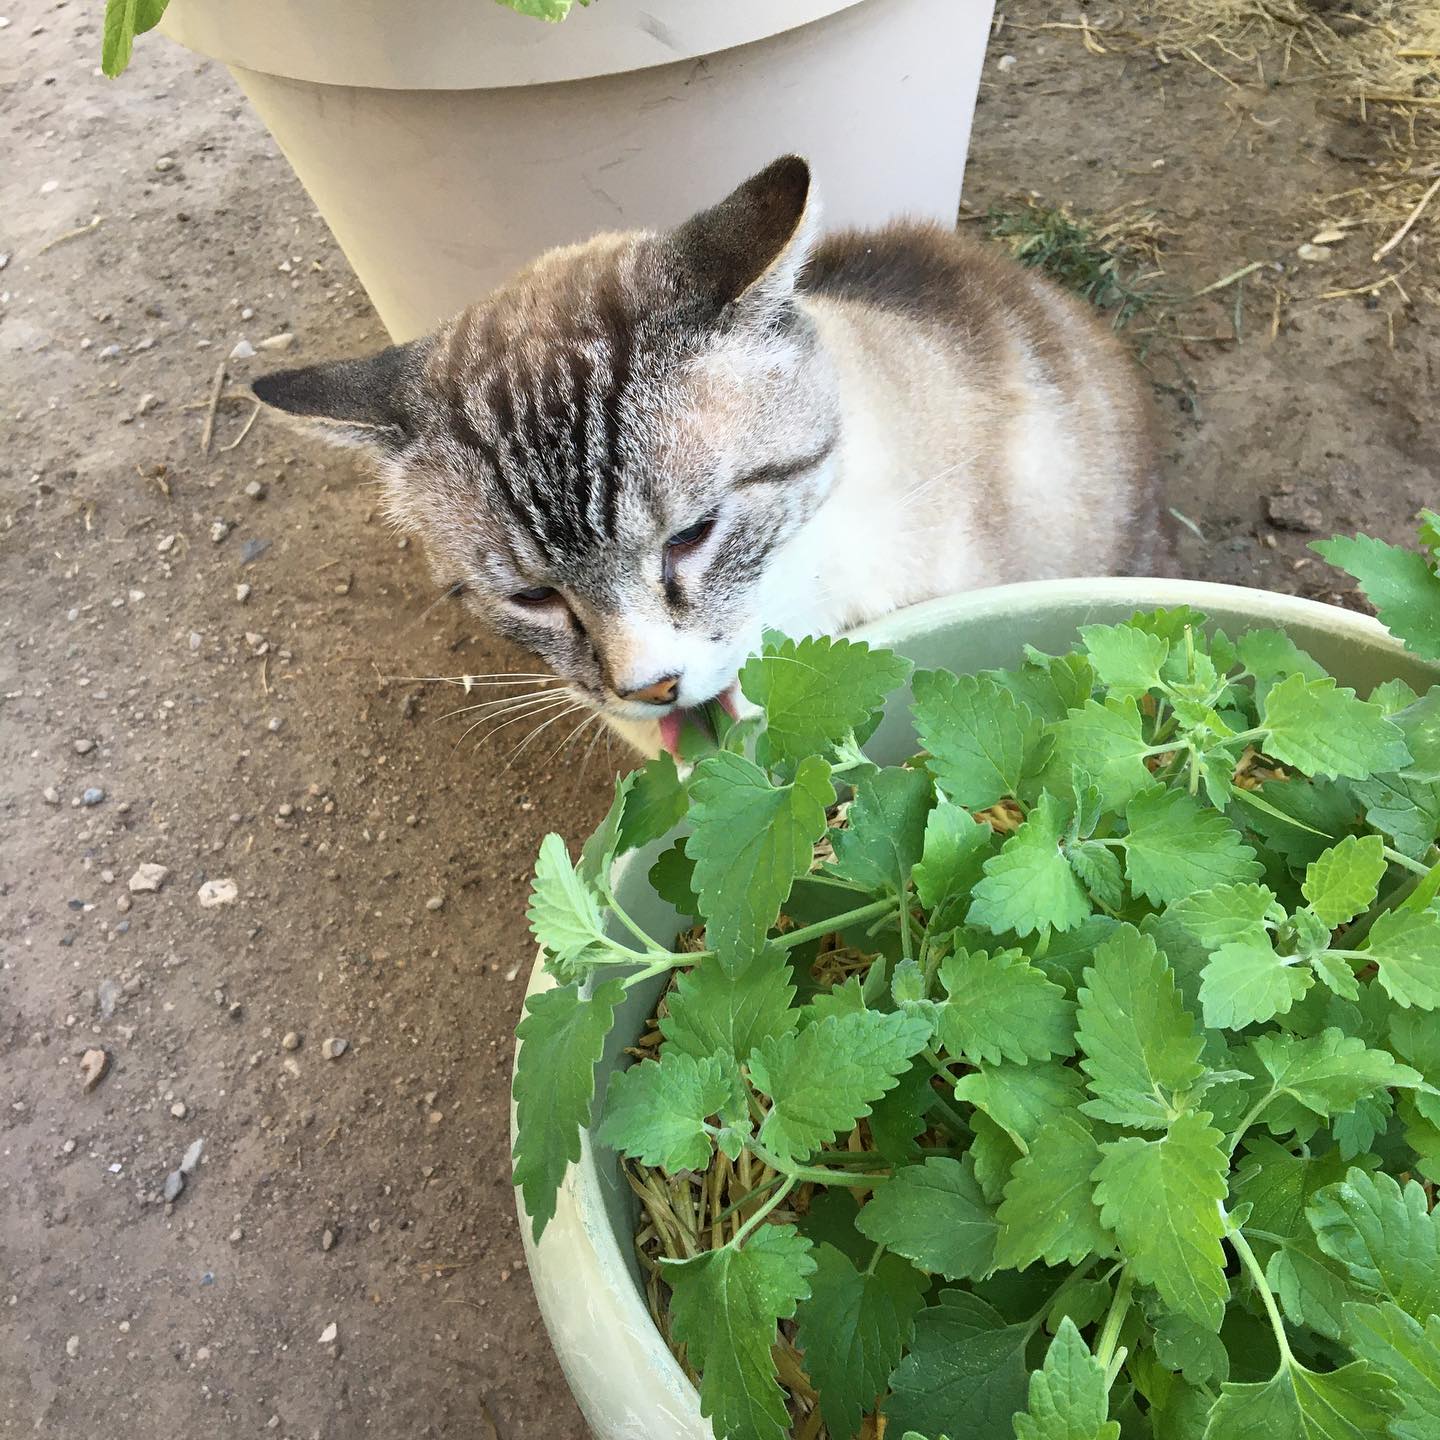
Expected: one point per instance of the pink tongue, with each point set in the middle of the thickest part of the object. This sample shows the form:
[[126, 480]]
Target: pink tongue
[[670, 730]]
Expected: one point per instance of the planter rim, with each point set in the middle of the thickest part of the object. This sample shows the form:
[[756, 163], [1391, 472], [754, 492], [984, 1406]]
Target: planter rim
[[471, 44], [582, 1245]]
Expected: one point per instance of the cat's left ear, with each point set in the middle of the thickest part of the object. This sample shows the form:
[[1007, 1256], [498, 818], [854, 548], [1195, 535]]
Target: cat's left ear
[[366, 403], [748, 250]]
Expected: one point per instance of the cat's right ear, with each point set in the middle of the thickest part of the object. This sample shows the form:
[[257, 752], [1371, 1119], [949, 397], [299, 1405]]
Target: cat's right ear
[[364, 403]]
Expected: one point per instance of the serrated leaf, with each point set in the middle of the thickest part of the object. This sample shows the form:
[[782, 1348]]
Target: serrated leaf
[[977, 734], [562, 1037], [1162, 1199], [1420, 723], [1228, 914], [994, 1152], [751, 840], [1351, 1403], [1311, 1290], [1406, 810], [822, 1079], [964, 1375], [885, 832], [935, 1215], [952, 858], [1337, 975], [1106, 743], [1050, 685], [1384, 1235], [1029, 885], [816, 691], [1127, 659], [1023, 1099], [124, 20], [724, 1309], [1247, 981], [1328, 1073], [1069, 1399], [1048, 1212], [853, 1329], [1098, 869], [1323, 729], [898, 1118], [656, 803], [1399, 583], [1199, 1354], [714, 1010], [1175, 847], [1400, 1347], [564, 911], [599, 850], [1343, 881], [1000, 1007], [1405, 946], [1271, 655], [1301, 818], [1139, 1045], [655, 1111]]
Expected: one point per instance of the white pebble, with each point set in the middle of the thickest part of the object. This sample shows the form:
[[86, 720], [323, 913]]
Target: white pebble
[[217, 892], [243, 350]]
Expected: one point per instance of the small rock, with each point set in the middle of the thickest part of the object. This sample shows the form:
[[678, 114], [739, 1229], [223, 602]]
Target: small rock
[[83, 747], [243, 350], [107, 996], [217, 892], [192, 1157], [179, 1109], [164, 163], [196, 640], [290, 1041], [435, 1116], [435, 902], [174, 1184], [1289, 511], [146, 404], [255, 490], [236, 1010], [236, 1235], [123, 904], [1006, 62], [327, 1240], [273, 724], [148, 878], [242, 593], [68, 1148], [219, 530], [1313, 253], [328, 1334], [50, 795], [92, 795], [93, 1065], [334, 1047], [72, 1346], [165, 544], [283, 341]]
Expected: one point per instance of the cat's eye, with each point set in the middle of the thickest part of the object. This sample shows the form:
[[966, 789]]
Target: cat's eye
[[691, 534], [535, 595]]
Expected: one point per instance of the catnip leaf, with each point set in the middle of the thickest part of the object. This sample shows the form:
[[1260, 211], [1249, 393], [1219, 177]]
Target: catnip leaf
[[822, 1079], [853, 1329], [724, 1309], [751, 841], [1162, 1198], [1139, 1046], [1406, 810], [885, 834], [1128, 660], [1271, 655], [1106, 743], [1175, 847], [655, 804], [816, 692], [564, 911], [714, 1010], [1023, 1099], [1420, 723], [1000, 1007], [1049, 685], [977, 734], [1098, 869], [1048, 1212], [655, 1111], [1399, 583], [1400, 1347], [1199, 1354], [1029, 885], [1328, 1073], [1069, 1399], [1384, 1235], [598, 852], [1228, 914], [1246, 981], [1405, 946], [1352, 1403], [1337, 975], [672, 876], [1304, 808], [551, 10], [1324, 730], [952, 858], [934, 1215], [964, 1375], [563, 1036], [1311, 1290], [898, 1118], [124, 20], [994, 1153], [1344, 880]]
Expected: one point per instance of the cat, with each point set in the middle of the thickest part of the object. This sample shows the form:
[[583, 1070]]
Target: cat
[[646, 449]]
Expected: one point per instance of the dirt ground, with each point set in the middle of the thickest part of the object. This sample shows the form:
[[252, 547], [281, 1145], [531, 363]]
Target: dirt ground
[[199, 646]]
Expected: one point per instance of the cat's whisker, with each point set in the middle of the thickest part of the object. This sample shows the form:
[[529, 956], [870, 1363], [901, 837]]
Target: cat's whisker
[[465, 682], [534, 734], [921, 486], [525, 713], [503, 702], [565, 743]]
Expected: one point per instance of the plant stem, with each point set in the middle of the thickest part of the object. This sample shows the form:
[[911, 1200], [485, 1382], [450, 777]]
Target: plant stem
[[1416, 867], [1251, 1116], [874, 1259], [1267, 1298], [815, 1173], [762, 1212], [836, 922], [651, 948], [748, 1196], [1105, 1349]]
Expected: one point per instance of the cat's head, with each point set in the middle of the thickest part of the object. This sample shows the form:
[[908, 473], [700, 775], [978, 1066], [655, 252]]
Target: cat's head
[[606, 455]]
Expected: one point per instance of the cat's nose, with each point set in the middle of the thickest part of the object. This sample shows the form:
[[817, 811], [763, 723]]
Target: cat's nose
[[658, 692]]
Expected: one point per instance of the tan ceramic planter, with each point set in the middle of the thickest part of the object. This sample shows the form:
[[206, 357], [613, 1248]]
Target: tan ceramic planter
[[446, 142], [584, 1270]]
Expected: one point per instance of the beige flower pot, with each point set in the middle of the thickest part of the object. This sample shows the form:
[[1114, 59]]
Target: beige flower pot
[[584, 1270], [446, 142]]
